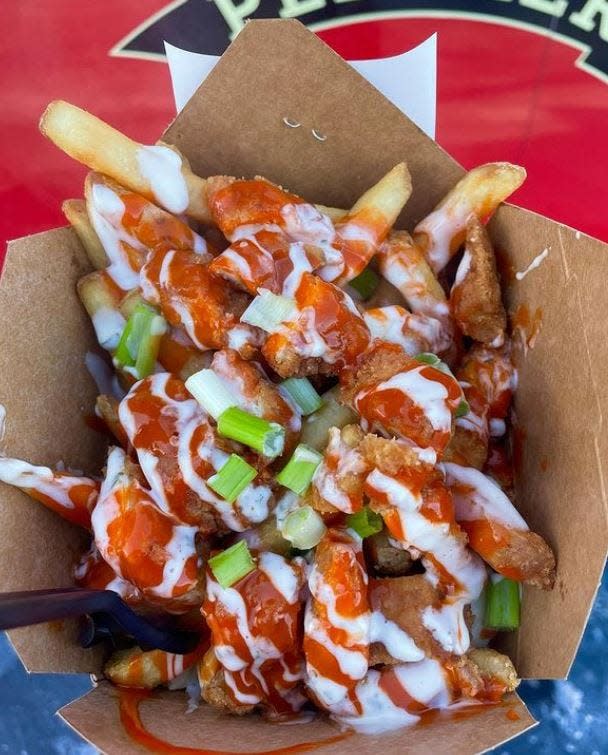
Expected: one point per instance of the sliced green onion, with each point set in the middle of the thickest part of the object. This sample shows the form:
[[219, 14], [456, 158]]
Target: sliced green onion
[[232, 564], [365, 522], [365, 283], [302, 392], [303, 528], [433, 360], [427, 358], [268, 310], [299, 470], [232, 478], [502, 604], [267, 438], [210, 392], [140, 341], [463, 408]]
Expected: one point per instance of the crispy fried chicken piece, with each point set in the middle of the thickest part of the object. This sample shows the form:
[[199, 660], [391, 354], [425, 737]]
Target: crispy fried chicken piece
[[338, 482], [483, 674], [402, 600], [384, 559], [476, 297], [214, 689]]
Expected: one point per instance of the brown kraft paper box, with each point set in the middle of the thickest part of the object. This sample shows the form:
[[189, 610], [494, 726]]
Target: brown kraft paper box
[[234, 125]]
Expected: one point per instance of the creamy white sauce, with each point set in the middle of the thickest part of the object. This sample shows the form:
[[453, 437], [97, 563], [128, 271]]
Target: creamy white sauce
[[483, 498], [440, 228], [463, 269], [301, 264], [178, 552], [430, 395], [395, 639], [106, 210], [282, 575], [109, 325], [340, 461], [414, 333], [536, 262], [448, 627], [352, 662], [26, 476], [162, 169], [497, 427]]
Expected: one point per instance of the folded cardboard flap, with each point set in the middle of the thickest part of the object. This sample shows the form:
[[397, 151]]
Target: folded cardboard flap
[[96, 716], [234, 125], [47, 392]]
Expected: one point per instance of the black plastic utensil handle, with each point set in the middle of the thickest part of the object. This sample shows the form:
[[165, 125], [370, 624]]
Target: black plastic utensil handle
[[21, 609]]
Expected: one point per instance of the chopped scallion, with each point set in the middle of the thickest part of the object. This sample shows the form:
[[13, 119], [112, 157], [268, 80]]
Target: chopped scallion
[[365, 522], [232, 478], [210, 392], [267, 311], [303, 528], [463, 408], [267, 438], [140, 341], [299, 470], [365, 283], [301, 391], [232, 564], [502, 604]]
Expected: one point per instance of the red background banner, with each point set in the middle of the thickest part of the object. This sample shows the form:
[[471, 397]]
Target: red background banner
[[504, 93]]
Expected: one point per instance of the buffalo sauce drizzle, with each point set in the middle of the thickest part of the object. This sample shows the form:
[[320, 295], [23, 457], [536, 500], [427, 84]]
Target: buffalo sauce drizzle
[[256, 635], [416, 403], [129, 701]]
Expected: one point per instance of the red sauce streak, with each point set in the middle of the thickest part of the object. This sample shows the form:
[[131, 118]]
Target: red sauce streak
[[256, 202], [129, 701], [527, 324], [513, 715]]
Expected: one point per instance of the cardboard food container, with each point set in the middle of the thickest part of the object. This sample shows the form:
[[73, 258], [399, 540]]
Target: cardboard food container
[[234, 125]]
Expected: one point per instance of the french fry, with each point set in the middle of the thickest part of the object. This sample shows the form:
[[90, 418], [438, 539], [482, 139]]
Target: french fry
[[147, 669], [475, 297], [364, 228], [480, 192], [101, 147], [75, 211], [143, 221], [106, 407], [315, 428], [403, 265], [101, 299]]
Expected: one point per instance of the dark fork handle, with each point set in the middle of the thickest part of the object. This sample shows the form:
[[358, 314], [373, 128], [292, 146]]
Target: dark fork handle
[[20, 609]]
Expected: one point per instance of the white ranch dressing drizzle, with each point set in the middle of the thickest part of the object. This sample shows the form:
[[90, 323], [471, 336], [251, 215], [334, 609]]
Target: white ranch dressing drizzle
[[344, 461], [282, 575], [109, 325], [440, 228], [352, 662], [162, 169], [483, 498], [536, 262], [414, 333], [395, 639], [429, 395], [435, 538], [106, 210], [179, 550], [424, 681], [463, 268], [23, 475]]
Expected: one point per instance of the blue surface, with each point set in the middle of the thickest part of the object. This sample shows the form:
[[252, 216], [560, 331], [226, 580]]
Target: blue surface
[[573, 714]]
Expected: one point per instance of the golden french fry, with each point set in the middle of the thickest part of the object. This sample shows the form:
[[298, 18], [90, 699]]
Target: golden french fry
[[333, 213], [388, 197], [101, 300], [75, 211], [480, 192], [403, 265], [475, 298], [106, 407], [158, 172], [138, 220]]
